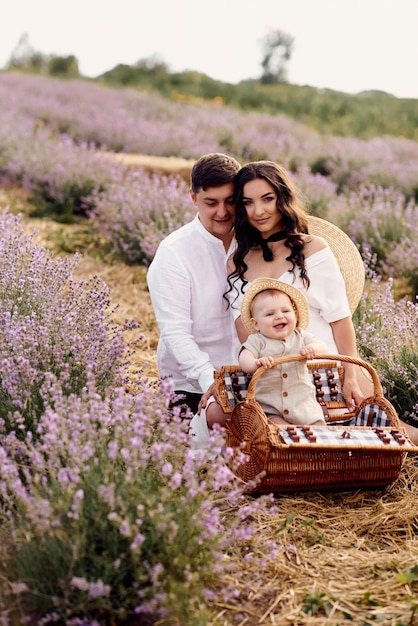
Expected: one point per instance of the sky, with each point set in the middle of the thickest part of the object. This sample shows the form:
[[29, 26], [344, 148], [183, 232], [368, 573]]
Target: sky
[[346, 45]]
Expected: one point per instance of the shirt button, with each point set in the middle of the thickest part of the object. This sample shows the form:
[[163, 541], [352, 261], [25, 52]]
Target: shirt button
[[285, 412], [284, 375], [285, 394]]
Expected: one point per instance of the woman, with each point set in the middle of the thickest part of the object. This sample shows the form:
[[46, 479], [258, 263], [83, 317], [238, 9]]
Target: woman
[[273, 241]]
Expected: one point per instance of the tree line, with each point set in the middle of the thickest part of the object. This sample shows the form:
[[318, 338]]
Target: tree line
[[364, 115]]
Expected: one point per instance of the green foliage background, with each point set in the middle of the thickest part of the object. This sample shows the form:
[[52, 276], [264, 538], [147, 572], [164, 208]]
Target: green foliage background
[[368, 114], [364, 115]]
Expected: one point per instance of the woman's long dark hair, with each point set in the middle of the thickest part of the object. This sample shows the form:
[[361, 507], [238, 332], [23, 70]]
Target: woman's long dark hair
[[289, 205]]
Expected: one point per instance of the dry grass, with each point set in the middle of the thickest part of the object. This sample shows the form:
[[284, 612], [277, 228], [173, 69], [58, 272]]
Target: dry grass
[[350, 547], [164, 165]]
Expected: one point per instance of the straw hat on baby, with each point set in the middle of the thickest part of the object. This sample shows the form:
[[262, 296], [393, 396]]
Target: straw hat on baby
[[348, 257], [263, 284]]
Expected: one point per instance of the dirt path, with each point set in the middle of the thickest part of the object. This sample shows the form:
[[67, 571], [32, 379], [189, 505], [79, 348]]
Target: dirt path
[[165, 165]]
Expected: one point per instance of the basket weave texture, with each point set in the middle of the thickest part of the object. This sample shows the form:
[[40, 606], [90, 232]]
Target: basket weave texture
[[364, 448]]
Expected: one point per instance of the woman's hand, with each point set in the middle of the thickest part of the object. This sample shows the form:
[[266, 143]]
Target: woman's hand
[[345, 339], [351, 391]]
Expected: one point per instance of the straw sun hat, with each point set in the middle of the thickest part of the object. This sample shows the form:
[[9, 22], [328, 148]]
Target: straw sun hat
[[348, 257], [258, 285]]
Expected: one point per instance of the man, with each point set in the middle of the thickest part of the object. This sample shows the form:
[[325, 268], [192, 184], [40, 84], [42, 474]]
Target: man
[[187, 280]]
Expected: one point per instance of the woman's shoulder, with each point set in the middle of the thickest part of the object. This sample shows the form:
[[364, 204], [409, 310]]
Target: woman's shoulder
[[313, 244]]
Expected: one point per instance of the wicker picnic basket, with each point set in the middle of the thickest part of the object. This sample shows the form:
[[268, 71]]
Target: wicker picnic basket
[[364, 448]]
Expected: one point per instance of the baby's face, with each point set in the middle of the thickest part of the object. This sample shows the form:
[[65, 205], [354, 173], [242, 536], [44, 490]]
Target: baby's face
[[273, 315]]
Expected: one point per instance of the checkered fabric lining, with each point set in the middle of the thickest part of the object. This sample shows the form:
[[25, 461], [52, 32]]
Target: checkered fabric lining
[[350, 437], [370, 415], [326, 380], [236, 386]]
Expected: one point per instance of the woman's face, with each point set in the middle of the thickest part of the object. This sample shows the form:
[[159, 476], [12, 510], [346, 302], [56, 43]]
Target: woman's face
[[260, 202]]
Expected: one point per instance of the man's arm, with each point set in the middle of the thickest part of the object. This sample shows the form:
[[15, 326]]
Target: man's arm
[[171, 291]]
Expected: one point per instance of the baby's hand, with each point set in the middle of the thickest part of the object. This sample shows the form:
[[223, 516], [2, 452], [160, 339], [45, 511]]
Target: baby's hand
[[264, 361], [308, 351]]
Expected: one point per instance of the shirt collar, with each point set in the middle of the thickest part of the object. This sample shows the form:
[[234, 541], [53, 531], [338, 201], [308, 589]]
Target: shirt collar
[[209, 237]]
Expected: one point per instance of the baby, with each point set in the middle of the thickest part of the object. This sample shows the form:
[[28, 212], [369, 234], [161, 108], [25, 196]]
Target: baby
[[276, 314]]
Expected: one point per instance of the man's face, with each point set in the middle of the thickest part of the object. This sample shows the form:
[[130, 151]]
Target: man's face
[[216, 209]]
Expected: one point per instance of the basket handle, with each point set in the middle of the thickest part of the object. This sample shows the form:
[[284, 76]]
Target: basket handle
[[378, 391]]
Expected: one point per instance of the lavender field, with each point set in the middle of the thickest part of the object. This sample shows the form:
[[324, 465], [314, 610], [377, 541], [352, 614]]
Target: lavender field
[[53, 135], [105, 518]]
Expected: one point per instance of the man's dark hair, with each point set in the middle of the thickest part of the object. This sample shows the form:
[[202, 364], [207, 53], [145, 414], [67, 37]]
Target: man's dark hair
[[213, 170]]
